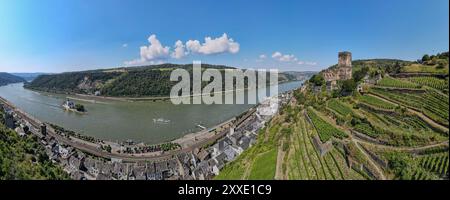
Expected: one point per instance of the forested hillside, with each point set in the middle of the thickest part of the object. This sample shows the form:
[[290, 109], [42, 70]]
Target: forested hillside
[[6, 78], [151, 80], [23, 158]]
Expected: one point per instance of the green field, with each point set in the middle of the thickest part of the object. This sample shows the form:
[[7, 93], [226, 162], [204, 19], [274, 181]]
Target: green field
[[392, 82], [339, 107], [437, 83], [264, 166], [326, 131], [376, 102], [419, 68]]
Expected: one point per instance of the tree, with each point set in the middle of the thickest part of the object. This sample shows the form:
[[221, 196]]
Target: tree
[[300, 97], [348, 87], [425, 57], [359, 75], [80, 108], [317, 80]]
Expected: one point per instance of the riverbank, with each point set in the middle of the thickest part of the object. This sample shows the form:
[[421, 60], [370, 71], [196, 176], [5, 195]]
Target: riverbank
[[94, 98], [187, 142]]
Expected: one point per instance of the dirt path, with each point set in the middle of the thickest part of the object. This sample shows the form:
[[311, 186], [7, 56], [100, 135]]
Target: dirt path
[[374, 164], [406, 149], [280, 158]]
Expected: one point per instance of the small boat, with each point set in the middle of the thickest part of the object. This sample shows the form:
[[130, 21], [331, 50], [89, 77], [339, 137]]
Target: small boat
[[161, 121]]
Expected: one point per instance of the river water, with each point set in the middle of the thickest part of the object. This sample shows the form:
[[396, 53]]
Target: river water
[[122, 120]]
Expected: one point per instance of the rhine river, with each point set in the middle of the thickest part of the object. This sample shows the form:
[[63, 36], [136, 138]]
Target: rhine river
[[122, 120]]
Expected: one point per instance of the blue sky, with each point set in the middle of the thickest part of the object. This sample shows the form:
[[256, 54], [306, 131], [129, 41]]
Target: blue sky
[[58, 36]]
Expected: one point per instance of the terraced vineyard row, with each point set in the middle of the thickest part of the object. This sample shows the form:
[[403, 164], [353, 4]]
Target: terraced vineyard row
[[326, 131], [366, 129], [433, 82], [392, 82], [437, 163], [431, 103], [304, 161], [376, 102], [421, 174], [436, 107], [339, 107]]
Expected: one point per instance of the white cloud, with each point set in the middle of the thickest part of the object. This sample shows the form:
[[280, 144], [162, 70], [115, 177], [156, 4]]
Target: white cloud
[[218, 45], [306, 63], [179, 51], [290, 58], [276, 54], [262, 56], [155, 51], [284, 58]]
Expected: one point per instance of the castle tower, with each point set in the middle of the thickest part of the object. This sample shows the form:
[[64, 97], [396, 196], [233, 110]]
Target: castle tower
[[345, 65]]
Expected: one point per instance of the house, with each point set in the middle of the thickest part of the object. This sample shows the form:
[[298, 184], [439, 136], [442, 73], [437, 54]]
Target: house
[[151, 172], [331, 85], [77, 175], [220, 159], [102, 176], [201, 171], [244, 143], [173, 165], [230, 153], [213, 166], [236, 137], [183, 157], [161, 167], [188, 177], [90, 166], [104, 167], [19, 130], [203, 155], [221, 144], [360, 88], [119, 170], [139, 171], [60, 150], [374, 80], [74, 163]]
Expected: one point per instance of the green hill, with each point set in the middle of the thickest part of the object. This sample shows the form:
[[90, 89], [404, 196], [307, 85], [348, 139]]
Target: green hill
[[6, 78], [151, 80], [23, 158]]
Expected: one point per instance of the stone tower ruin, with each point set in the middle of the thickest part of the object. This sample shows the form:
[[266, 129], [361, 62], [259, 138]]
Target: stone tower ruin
[[345, 65]]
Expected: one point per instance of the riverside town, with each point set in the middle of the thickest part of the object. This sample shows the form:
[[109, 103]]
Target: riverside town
[[197, 99]]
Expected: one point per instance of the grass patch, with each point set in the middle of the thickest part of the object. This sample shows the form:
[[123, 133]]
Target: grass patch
[[264, 166]]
